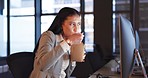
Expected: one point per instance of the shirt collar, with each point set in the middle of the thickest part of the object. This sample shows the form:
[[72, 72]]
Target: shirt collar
[[59, 38]]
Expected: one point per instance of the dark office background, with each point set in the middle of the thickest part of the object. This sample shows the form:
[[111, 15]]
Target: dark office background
[[104, 33]]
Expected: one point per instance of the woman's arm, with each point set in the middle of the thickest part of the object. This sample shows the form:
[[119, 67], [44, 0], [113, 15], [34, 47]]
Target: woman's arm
[[47, 53]]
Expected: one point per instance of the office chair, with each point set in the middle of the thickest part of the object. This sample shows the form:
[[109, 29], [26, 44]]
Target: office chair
[[21, 64]]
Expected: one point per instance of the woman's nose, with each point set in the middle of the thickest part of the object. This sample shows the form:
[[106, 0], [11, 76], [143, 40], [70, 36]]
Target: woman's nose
[[77, 29]]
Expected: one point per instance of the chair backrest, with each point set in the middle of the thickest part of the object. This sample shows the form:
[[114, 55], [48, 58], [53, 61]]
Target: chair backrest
[[21, 64]]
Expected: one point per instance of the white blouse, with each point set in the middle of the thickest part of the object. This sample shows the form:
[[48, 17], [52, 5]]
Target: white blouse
[[66, 61]]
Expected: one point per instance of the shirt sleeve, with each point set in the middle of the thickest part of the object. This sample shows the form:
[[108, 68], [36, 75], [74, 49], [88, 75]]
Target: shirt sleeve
[[65, 46]]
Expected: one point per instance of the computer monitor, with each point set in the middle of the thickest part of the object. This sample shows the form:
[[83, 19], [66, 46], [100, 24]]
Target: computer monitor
[[128, 51], [137, 39]]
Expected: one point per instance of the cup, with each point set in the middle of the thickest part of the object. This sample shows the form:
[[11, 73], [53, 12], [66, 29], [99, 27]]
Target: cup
[[77, 52]]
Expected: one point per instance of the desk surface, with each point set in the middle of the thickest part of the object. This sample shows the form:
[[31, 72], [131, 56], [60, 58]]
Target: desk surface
[[110, 70]]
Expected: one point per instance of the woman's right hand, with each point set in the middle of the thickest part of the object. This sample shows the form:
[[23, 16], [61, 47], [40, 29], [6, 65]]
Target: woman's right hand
[[75, 38]]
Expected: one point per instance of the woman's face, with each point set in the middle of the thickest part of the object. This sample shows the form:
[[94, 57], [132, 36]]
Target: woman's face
[[72, 25]]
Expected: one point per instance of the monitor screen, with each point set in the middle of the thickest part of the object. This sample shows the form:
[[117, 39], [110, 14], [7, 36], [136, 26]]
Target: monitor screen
[[127, 46], [137, 40]]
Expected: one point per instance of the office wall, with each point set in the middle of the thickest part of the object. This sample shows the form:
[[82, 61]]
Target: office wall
[[103, 26], [102, 39]]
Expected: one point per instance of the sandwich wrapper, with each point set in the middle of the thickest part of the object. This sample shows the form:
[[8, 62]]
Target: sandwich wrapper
[[77, 52]]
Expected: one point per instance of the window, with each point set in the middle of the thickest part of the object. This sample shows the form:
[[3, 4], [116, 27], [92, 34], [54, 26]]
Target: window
[[22, 26], [21, 34], [119, 7], [3, 29], [18, 31], [48, 15], [3, 35], [143, 25], [123, 7]]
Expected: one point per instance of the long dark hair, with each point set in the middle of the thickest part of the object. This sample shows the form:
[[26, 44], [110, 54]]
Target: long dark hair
[[56, 26]]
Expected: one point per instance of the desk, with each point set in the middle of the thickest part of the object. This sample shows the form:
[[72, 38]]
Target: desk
[[110, 70]]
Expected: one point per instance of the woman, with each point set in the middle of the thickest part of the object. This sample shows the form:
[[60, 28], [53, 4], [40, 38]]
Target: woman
[[53, 50]]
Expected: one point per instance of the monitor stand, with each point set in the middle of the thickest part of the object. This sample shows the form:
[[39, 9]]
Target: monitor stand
[[139, 62]]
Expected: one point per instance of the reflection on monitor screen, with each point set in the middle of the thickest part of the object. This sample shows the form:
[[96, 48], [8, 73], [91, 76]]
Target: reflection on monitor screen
[[127, 48]]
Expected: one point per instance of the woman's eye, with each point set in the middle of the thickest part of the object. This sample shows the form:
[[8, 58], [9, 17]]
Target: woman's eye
[[72, 24], [75, 24], [79, 24]]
